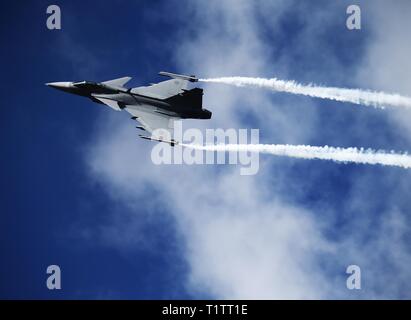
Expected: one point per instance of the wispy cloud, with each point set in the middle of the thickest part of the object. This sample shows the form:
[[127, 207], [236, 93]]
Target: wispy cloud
[[250, 237]]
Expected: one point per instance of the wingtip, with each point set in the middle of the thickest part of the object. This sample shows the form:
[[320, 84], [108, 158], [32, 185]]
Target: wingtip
[[191, 78]]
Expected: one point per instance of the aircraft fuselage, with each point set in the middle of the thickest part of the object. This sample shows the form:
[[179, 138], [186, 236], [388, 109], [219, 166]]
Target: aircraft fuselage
[[124, 97]]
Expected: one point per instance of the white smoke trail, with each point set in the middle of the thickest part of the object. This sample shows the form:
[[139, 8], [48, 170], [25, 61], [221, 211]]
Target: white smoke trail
[[364, 156], [357, 96]]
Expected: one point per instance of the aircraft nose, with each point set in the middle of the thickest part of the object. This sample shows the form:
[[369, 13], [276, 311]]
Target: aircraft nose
[[59, 85]]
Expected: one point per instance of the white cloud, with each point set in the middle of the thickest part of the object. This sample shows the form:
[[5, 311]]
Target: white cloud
[[243, 238], [387, 64]]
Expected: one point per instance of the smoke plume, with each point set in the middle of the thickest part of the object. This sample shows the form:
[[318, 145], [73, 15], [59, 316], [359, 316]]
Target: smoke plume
[[356, 96], [354, 155]]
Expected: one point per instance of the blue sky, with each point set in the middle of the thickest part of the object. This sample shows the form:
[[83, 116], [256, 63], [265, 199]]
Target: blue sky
[[46, 192], [79, 190]]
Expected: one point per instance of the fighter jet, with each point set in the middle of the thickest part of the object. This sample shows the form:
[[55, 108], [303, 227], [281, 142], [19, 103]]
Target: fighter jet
[[155, 106]]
